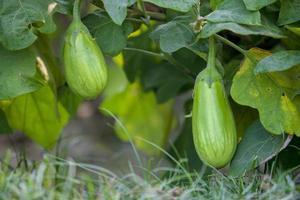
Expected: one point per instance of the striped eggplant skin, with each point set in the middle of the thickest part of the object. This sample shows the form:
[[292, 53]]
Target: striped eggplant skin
[[85, 67], [213, 124]]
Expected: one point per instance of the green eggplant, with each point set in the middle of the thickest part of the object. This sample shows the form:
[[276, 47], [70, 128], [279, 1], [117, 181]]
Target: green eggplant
[[85, 67], [214, 130]]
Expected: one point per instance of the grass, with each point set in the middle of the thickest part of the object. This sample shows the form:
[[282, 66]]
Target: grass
[[56, 178]]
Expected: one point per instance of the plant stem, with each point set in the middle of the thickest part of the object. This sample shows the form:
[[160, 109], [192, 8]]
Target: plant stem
[[134, 19], [150, 53], [142, 7], [229, 43], [153, 15], [156, 15], [76, 10], [236, 47], [212, 53], [211, 66], [166, 57], [204, 56]]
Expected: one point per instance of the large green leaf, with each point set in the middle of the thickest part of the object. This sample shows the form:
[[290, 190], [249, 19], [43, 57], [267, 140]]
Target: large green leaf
[[117, 9], [173, 35], [17, 71], [234, 11], [278, 61], [267, 28], [111, 37], [142, 117], [257, 4], [289, 12], [167, 79], [256, 147], [38, 115], [135, 62], [215, 3], [273, 94], [179, 5], [211, 28], [164, 78], [20, 19]]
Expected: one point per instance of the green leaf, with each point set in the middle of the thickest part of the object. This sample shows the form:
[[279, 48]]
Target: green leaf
[[4, 127], [278, 61], [38, 115], [166, 79], [135, 62], [173, 36], [234, 11], [295, 30], [111, 37], [230, 68], [160, 76], [291, 42], [244, 116], [272, 94], [215, 3], [142, 117], [267, 29], [289, 12], [21, 19], [178, 5], [257, 147], [257, 4], [17, 71], [134, 107], [192, 60], [117, 9]]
